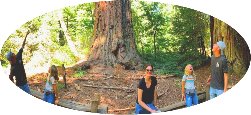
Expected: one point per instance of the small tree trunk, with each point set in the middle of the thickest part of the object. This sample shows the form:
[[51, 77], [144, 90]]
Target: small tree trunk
[[211, 32], [154, 43], [67, 36], [142, 46], [64, 76]]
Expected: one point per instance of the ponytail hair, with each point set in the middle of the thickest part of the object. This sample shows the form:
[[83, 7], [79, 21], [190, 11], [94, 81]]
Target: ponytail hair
[[54, 72]]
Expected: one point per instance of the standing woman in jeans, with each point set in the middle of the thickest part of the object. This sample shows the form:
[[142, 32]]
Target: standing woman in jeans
[[189, 93], [147, 94], [50, 92]]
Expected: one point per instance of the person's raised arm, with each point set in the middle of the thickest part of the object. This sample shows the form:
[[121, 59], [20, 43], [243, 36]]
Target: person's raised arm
[[25, 39]]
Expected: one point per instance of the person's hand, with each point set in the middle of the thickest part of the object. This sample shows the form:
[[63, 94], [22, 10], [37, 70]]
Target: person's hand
[[183, 97], [153, 111], [225, 90], [11, 78], [56, 102]]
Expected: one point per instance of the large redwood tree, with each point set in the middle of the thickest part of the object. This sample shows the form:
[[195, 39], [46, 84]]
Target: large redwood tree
[[113, 38], [237, 50]]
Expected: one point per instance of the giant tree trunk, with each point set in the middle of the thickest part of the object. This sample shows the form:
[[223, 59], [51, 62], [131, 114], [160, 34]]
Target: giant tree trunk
[[113, 39], [236, 51]]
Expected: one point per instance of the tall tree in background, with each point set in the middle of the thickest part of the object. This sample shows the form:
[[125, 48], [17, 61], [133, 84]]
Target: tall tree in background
[[237, 51], [63, 28], [192, 30], [156, 23], [113, 37]]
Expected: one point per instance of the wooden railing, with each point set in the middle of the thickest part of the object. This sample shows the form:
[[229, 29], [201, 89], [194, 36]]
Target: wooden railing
[[103, 108], [100, 108]]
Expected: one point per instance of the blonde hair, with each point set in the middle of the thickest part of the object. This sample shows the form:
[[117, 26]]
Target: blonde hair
[[54, 72], [186, 70]]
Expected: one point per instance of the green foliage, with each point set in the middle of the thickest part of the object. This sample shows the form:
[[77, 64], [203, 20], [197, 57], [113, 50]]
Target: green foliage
[[45, 39], [80, 23], [60, 86], [169, 37], [79, 73], [33, 25], [177, 83], [14, 41], [166, 64]]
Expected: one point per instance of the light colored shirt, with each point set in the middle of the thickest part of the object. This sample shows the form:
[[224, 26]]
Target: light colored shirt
[[49, 82], [189, 81]]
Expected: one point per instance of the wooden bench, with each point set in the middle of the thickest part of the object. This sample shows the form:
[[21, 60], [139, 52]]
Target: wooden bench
[[179, 105], [182, 104], [103, 108]]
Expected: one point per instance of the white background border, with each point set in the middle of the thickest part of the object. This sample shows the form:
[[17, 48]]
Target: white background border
[[14, 13]]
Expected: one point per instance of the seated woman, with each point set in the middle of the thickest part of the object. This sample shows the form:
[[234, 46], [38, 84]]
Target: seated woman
[[188, 88], [50, 91], [147, 95]]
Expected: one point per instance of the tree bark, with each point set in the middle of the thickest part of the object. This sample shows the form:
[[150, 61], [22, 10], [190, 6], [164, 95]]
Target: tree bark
[[113, 38], [211, 31], [236, 51], [154, 43]]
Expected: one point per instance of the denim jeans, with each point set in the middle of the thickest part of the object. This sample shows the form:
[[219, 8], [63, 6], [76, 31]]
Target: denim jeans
[[141, 110], [192, 99], [50, 98], [25, 88], [215, 92]]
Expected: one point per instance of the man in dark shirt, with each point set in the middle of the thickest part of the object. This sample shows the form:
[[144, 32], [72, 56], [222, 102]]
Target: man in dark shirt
[[219, 71], [17, 68]]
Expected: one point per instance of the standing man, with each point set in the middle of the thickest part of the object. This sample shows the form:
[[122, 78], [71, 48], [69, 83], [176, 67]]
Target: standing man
[[17, 68], [218, 79]]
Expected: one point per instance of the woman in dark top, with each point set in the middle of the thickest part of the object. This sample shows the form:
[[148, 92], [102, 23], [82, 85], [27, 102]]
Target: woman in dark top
[[147, 95]]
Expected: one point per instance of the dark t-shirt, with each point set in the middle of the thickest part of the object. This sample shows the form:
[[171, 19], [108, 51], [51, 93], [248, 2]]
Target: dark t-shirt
[[218, 68], [18, 71], [148, 93]]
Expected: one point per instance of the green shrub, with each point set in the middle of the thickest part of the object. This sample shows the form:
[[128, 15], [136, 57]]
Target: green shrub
[[79, 73], [60, 86]]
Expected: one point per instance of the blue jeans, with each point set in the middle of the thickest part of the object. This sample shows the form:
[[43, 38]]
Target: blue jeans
[[141, 110], [191, 99], [50, 98], [25, 88], [215, 92]]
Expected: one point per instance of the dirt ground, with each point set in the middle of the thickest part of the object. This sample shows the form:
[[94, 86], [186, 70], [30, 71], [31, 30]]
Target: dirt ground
[[123, 84]]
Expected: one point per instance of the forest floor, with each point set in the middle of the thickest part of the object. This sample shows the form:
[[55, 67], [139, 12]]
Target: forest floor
[[118, 86]]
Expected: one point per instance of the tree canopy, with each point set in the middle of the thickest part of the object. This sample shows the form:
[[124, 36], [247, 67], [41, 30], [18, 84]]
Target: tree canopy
[[167, 36]]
